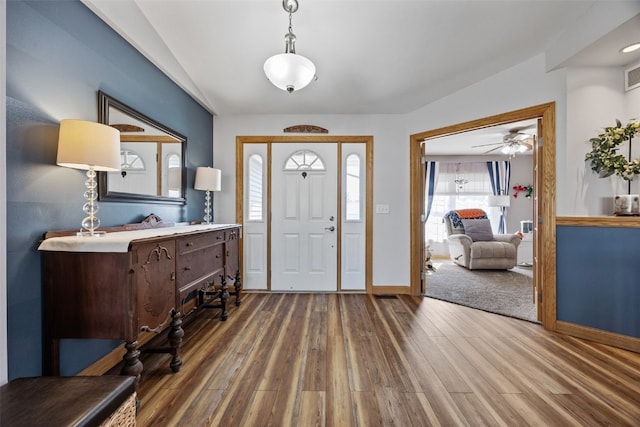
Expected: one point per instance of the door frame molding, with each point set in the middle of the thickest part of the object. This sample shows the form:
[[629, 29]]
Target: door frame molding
[[336, 139], [544, 198]]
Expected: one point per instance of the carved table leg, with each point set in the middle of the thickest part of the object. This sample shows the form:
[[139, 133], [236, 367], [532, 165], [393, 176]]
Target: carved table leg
[[175, 339], [224, 295], [132, 365], [238, 287]]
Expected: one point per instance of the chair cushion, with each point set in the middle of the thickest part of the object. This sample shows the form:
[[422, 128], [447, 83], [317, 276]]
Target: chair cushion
[[478, 229]]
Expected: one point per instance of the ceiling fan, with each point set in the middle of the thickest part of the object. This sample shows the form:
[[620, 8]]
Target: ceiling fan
[[516, 141]]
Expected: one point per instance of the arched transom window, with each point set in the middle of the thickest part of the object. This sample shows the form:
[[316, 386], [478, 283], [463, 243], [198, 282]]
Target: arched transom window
[[304, 160], [131, 161]]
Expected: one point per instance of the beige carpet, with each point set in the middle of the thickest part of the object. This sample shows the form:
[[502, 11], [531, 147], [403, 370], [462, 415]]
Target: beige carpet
[[506, 292]]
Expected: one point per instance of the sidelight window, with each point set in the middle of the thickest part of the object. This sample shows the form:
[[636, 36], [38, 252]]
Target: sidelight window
[[353, 207], [256, 188]]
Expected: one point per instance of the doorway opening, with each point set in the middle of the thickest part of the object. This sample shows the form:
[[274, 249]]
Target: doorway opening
[[305, 203], [543, 221]]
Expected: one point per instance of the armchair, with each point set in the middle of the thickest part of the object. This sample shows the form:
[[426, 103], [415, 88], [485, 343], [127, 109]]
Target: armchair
[[473, 245]]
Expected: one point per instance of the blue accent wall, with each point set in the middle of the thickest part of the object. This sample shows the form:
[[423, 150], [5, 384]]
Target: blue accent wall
[[59, 54], [598, 278]]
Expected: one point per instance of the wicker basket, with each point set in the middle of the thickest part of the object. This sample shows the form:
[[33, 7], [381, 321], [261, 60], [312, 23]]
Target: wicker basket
[[124, 416]]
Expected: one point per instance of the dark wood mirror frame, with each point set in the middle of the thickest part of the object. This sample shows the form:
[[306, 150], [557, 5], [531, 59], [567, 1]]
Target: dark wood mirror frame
[[104, 194]]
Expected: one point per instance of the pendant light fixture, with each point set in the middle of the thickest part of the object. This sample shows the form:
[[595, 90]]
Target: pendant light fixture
[[289, 71]]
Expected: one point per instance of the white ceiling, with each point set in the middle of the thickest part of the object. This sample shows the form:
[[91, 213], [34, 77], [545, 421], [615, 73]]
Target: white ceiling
[[375, 56]]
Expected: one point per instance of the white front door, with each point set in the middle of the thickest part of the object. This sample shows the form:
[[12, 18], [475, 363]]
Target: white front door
[[304, 217]]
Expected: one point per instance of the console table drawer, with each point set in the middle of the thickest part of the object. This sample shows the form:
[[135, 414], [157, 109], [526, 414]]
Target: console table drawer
[[199, 264], [194, 243]]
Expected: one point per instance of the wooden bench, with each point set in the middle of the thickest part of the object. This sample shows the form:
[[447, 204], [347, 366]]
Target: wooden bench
[[108, 400]]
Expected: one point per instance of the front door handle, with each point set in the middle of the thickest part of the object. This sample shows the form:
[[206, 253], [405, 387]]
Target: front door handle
[[332, 228]]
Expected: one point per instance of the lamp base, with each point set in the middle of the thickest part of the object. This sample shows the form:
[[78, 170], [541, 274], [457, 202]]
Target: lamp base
[[207, 208], [90, 234]]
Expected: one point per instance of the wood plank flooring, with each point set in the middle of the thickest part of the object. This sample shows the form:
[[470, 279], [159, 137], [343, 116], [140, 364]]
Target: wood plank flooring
[[355, 360]]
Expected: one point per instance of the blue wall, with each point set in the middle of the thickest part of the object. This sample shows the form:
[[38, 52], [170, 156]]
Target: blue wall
[[59, 54], [598, 278]]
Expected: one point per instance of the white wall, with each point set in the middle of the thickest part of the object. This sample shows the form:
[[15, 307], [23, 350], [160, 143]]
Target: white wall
[[595, 99], [391, 177], [521, 86], [521, 208]]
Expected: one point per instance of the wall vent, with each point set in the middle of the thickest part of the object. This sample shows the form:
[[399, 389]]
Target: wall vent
[[632, 77]]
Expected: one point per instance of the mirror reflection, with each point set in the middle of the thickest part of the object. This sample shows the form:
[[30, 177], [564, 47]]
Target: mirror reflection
[[151, 155]]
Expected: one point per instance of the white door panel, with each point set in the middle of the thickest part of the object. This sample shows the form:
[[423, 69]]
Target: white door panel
[[303, 247]]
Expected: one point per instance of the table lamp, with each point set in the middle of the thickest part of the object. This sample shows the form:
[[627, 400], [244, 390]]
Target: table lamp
[[92, 147], [207, 179]]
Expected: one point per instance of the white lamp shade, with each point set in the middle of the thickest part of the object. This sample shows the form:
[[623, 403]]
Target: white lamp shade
[[498, 201], [208, 179], [82, 144], [289, 71]]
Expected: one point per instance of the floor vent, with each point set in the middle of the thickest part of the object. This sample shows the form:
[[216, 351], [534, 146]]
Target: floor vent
[[632, 77], [385, 297]]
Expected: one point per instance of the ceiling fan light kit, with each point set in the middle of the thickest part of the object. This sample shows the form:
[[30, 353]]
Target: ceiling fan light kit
[[512, 143], [515, 147], [289, 71]]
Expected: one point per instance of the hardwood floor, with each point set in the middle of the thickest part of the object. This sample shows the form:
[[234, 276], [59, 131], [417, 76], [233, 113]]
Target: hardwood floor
[[341, 360]]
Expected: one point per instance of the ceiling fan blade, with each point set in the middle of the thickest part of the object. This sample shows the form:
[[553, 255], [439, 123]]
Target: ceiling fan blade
[[521, 128], [516, 137], [493, 149], [486, 145]]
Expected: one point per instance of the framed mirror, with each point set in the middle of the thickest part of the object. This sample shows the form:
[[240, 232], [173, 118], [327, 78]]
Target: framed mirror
[[152, 156]]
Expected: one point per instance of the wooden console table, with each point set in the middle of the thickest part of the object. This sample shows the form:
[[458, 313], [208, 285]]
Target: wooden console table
[[132, 281]]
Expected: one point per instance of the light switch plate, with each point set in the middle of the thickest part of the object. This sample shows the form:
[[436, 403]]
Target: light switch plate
[[382, 209]]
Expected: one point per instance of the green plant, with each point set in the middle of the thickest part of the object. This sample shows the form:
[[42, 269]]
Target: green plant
[[604, 157]]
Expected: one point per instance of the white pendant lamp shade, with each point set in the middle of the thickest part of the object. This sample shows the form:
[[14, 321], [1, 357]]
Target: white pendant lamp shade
[[83, 144], [289, 71]]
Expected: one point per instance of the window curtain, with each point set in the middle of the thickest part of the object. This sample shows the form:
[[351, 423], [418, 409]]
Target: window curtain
[[431, 180], [500, 176]]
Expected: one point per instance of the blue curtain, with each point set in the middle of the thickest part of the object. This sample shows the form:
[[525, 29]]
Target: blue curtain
[[431, 179], [500, 176]]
